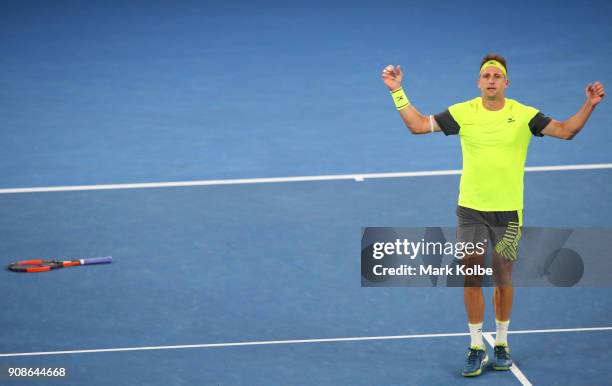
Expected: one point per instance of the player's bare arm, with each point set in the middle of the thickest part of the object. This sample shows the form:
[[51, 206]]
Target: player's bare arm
[[416, 122], [568, 129]]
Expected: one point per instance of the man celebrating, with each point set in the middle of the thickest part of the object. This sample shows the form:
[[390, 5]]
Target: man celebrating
[[495, 132]]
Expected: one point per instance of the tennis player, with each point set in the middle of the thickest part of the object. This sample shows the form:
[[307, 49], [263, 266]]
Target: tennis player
[[495, 132]]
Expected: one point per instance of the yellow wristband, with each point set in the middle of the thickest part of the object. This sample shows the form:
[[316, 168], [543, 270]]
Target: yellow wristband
[[400, 98]]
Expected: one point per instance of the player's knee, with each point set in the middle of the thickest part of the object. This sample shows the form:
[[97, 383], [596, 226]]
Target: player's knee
[[471, 261], [502, 272], [472, 281], [502, 278], [503, 281]]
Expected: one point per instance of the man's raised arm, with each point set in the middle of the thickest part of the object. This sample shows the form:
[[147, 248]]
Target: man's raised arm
[[414, 121], [569, 128]]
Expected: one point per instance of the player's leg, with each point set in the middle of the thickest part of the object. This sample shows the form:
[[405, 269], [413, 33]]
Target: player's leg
[[471, 229], [503, 293], [474, 307], [472, 291], [502, 303], [507, 236]]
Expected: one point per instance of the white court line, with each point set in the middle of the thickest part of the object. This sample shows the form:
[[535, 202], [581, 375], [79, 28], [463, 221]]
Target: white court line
[[514, 368], [245, 181], [294, 341]]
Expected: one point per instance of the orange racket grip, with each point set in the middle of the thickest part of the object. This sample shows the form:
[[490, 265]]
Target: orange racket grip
[[29, 262], [38, 269]]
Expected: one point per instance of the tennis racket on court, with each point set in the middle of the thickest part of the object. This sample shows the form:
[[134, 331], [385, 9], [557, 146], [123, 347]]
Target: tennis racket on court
[[48, 265]]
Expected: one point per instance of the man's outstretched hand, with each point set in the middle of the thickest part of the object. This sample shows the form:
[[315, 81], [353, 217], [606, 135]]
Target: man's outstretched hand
[[392, 76], [595, 93]]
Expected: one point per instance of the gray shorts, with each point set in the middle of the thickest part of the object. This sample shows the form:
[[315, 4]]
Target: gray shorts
[[501, 229]]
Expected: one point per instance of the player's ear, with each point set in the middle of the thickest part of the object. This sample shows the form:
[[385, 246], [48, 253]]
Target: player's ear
[[507, 82]]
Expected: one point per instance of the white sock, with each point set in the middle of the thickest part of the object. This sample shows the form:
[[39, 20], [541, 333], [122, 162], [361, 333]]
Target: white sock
[[476, 335], [501, 334]]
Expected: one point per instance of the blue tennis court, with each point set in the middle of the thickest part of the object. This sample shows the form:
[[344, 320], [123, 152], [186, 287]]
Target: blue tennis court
[[226, 157]]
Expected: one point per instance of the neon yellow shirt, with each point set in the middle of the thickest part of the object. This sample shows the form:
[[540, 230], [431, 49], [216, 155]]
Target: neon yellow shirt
[[494, 146]]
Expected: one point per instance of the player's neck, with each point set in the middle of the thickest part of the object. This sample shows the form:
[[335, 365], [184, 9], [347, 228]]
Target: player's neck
[[494, 104]]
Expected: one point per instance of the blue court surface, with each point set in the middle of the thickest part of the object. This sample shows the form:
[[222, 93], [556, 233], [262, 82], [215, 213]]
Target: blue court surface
[[171, 136]]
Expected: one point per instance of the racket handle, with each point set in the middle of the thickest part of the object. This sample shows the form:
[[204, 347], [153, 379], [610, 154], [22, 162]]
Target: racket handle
[[97, 260]]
